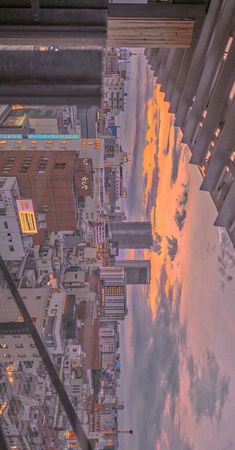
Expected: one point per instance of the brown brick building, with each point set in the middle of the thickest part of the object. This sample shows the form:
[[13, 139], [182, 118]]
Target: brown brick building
[[51, 180]]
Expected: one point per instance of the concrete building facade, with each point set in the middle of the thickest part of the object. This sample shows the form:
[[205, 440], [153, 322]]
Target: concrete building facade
[[12, 243], [113, 293]]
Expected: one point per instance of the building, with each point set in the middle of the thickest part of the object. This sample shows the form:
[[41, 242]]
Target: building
[[131, 234], [18, 347], [114, 93], [199, 85], [108, 338], [87, 119], [49, 180], [74, 277], [39, 119], [113, 293], [53, 332], [136, 271], [111, 61], [12, 242], [12, 124]]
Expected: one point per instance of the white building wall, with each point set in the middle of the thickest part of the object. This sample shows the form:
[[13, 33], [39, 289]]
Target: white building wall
[[12, 245]]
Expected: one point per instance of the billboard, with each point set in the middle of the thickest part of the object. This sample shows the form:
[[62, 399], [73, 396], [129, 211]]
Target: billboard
[[27, 216]]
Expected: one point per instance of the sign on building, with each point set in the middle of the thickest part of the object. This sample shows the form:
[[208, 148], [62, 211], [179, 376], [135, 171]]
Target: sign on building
[[27, 216]]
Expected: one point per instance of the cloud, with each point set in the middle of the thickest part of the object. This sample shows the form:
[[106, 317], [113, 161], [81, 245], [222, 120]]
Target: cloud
[[180, 214], [151, 201], [183, 198], [156, 380], [180, 217], [172, 247], [175, 441], [157, 244], [167, 148], [208, 388], [176, 156]]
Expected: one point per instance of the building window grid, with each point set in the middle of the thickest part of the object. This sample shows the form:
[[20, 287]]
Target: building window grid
[[25, 164]]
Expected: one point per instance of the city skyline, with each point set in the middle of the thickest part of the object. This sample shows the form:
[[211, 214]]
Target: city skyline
[[117, 225]]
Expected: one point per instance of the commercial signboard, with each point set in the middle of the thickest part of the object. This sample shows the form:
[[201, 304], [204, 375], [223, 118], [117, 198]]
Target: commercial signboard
[[27, 216], [39, 136], [83, 177]]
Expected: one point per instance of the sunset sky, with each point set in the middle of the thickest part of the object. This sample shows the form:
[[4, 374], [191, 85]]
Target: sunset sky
[[177, 341]]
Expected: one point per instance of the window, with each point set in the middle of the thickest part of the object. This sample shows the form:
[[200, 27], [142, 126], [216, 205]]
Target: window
[[25, 163], [44, 208], [2, 182], [3, 346], [19, 346], [11, 248], [38, 297], [28, 364], [42, 164], [5, 224], [59, 165]]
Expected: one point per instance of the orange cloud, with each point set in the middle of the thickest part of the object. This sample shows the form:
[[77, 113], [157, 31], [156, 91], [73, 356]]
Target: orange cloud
[[158, 154]]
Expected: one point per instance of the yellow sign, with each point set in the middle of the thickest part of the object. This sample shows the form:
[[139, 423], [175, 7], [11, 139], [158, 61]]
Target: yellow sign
[[97, 143], [103, 296], [84, 183], [84, 144], [28, 222]]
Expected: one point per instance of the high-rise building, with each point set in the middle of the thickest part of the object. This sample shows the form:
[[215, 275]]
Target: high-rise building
[[131, 234], [113, 293], [136, 271]]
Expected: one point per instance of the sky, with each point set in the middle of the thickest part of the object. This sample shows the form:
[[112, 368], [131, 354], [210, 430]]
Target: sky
[[177, 342]]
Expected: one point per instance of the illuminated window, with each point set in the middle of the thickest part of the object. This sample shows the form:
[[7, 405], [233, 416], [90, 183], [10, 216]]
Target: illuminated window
[[232, 92], [228, 46], [232, 157], [84, 144], [3, 346]]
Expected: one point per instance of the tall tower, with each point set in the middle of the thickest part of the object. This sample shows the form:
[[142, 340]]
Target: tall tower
[[136, 271], [131, 234]]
